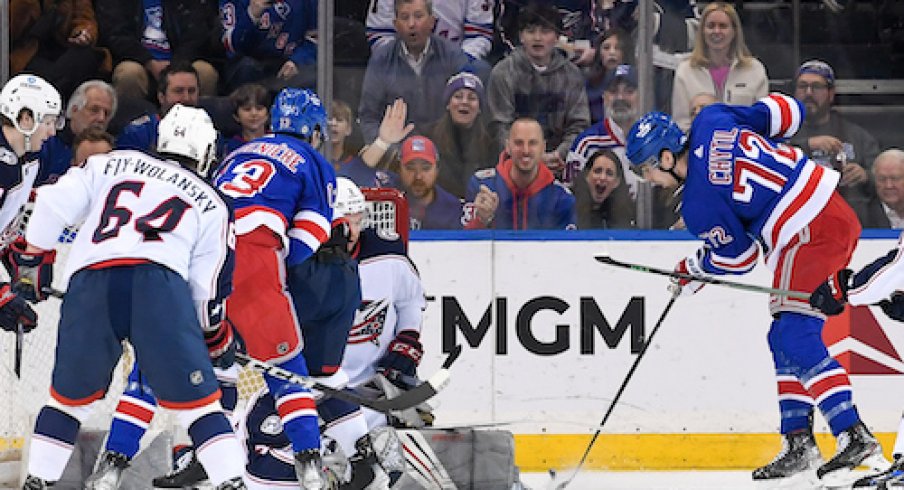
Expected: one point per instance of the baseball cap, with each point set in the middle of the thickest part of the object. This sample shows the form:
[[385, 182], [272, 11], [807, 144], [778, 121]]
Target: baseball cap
[[621, 72], [463, 80], [820, 68], [418, 148]]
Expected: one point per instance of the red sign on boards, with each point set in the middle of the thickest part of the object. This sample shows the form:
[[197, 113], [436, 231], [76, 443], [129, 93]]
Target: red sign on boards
[[859, 343]]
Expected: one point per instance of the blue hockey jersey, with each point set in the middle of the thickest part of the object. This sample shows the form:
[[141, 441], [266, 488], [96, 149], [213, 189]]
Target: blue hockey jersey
[[282, 183], [285, 30], [745, 189]]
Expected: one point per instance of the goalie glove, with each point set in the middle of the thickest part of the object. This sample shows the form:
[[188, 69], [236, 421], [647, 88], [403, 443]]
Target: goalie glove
[[31, 273], [689, 266], [402, 358], [15, 311], [221, 345], [830, 296]]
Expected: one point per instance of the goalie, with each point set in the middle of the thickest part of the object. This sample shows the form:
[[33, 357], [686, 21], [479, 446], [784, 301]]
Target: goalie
[[383, 344]]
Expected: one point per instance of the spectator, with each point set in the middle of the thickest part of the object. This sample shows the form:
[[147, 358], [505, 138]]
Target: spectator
[[467, 23], [56, 41], [430, 207], [575, 32], [830, 139], [341, 132], [462, 136], [621, 102], [147, 36], [179, 84], [92, 141], [886, 210], [614, 49], [362, 167], [91, 105], [413, 67], [601, 196], [699, 101], [720, 64], [251, 109], [536, 81], [520, 193], [269, 42]]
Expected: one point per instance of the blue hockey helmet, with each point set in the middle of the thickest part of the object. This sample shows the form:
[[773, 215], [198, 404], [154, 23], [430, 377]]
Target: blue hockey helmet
[[651, 134], [298, 111]]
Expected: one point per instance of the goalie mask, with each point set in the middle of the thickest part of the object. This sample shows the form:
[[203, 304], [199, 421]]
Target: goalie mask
[[35, 94], [349, 199], [188, 132]]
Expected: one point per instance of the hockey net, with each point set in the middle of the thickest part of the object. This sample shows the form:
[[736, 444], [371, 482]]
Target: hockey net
[[21, 397]]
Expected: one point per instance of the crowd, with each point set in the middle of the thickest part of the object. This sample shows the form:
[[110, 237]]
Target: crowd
[[458, 75]]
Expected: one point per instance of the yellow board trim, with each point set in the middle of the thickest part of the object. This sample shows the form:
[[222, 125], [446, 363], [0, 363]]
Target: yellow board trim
[[666, 452]]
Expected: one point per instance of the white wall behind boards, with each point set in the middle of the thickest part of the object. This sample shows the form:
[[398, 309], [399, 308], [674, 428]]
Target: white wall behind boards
[[534, 318]]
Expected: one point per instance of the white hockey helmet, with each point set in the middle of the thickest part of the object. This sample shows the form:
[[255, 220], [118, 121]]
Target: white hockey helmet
[[35, 94], [349, 198], [189, 132]]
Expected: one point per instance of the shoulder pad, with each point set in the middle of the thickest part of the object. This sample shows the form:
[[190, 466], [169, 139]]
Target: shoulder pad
[[8, 157], [138, 121], [485, 173]]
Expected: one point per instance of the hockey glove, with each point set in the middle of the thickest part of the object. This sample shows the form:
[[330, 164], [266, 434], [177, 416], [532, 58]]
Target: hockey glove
[[402, 358], [31, 273], [221, 345], [689, 266], [15, 311], [894, 307], [831, 295]]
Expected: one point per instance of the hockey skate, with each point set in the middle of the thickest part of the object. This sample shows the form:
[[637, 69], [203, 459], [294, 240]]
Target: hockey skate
[[35, 483], [187, 473], [856, 446], [309, 470], [107, 471], [233, 484], [794, 465], [890, 478]]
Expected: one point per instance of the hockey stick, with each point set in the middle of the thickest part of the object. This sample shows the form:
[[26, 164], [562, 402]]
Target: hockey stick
[[408, 399], [618, 394], [17, 364], [707, 279]]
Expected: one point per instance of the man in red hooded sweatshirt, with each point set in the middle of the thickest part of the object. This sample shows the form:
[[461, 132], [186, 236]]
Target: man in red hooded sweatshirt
[[520, 193]]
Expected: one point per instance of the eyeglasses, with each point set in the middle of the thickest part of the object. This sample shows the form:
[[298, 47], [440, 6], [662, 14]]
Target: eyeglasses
[[816, 86]]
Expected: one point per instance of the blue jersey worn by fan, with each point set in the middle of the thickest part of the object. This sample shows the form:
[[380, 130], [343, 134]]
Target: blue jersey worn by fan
[[746, 191], [284, 30]]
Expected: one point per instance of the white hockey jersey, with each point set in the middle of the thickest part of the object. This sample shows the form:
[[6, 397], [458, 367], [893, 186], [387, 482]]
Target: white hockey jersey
[[134, 206], [468, 23], [392, 300]]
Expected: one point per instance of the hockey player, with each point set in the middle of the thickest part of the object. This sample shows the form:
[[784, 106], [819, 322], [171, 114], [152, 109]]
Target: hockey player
[[29, 114], [152, 264], [745, 190], [385, 339], [880, 282], [283, 191]]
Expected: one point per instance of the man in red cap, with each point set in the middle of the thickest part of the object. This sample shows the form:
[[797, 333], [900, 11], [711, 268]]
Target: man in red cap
[[430, 206]]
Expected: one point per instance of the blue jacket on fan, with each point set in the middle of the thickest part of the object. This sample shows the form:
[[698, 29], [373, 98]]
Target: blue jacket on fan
[[282, 32], [55, 156], [140, 134], [545, 205]]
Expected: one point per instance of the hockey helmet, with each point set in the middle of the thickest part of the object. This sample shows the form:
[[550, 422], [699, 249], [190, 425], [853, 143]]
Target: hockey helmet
[[349, 198], [298, 111], [189, 132], [35, 94], [651, 134]]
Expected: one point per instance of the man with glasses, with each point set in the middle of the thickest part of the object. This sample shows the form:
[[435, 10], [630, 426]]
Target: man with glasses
[[830, 139], [887, 208]]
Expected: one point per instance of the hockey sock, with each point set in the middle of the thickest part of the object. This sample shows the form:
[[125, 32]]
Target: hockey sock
[[296, 407], [52, 443], [829, 385], [217, 448], [344, 421], [133, 415], [795, 404]]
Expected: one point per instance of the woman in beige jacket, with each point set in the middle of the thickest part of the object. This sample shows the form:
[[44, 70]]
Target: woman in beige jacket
[[720, 64]]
